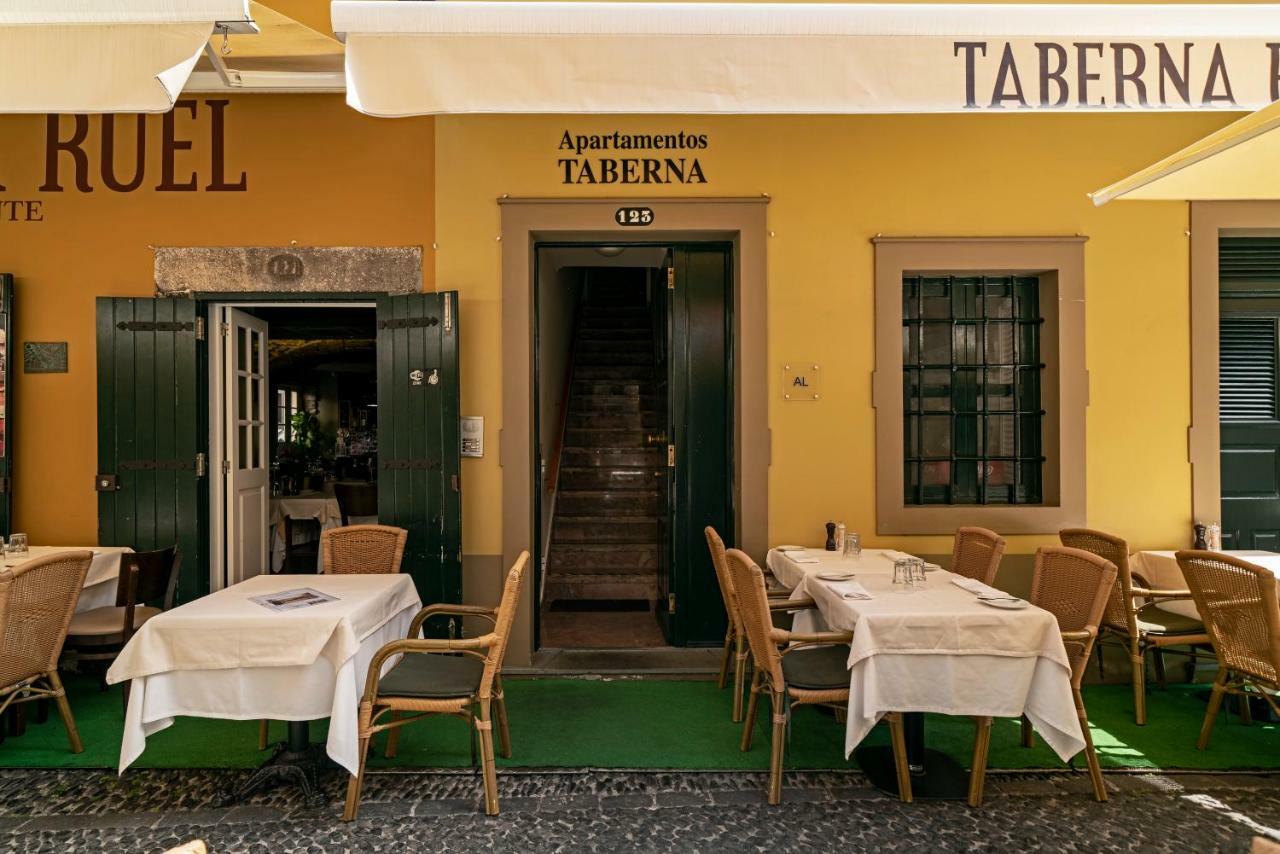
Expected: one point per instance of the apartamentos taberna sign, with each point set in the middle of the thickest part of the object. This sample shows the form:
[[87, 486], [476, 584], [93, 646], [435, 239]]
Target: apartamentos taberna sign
[[123, 154], [623, 158]]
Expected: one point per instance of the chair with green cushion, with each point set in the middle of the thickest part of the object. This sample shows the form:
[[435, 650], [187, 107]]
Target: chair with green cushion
[[1134, 615]]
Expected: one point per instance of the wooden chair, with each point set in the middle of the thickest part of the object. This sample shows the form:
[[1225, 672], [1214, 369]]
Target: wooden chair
[[356, 499], [37, 599], [976, 554], [1074, 586], [813, 669], [363, 549], [1237, 602], [1134, 615], [735, 639], [460, 677], [100, 633], [301, 553]]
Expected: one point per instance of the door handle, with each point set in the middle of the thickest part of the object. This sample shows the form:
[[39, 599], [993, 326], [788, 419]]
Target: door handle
[[652, 439]]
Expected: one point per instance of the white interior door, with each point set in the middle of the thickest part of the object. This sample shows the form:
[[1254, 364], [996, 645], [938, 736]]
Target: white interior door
[[247, 481]]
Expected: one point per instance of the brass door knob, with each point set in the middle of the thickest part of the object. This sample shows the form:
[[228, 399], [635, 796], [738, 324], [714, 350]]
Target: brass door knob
[[655, 439]]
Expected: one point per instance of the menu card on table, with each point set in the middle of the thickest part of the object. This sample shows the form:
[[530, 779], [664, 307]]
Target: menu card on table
[[290, 600]]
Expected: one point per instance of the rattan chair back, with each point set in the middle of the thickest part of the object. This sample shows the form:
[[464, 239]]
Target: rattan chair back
[[976, 554], [1237, 602], [37, 599], [1118, 615], [366, 549], [721, 564], [1073, 585], [753, 608], [503, 619]]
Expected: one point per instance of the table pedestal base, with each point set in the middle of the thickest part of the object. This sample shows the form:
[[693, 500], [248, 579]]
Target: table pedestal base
[[296, 761], [942, 778]]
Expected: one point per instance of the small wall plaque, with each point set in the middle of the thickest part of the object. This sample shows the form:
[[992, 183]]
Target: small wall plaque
[[473, 435], [44, 357], [801, 381]]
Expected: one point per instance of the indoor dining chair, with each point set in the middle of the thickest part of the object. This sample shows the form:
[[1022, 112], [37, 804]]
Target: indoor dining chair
[[812, 670], [976, 554], [1074, 586], [145, 577], [37, 599], [1237, 602], [735, 639], [461, 677], [1134, 615]]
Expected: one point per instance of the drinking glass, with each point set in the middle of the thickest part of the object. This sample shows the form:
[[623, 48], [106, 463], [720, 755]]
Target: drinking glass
[[902, 575], [917, 572], [18, 544], [852, 545]]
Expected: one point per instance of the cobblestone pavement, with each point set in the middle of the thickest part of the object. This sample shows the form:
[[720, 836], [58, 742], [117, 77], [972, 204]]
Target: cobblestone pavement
[[614, 811]]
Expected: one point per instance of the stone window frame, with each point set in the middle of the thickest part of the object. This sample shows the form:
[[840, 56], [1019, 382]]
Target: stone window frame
[[1059, 262]]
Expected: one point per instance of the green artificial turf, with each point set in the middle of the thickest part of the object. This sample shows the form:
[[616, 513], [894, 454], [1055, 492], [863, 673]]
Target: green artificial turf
[[646, 723]]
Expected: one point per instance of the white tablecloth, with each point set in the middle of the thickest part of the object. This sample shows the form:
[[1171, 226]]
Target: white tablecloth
[[939, 649], [1161, 570], [286, 666], [321, 506], [99, 584], [791, 572]]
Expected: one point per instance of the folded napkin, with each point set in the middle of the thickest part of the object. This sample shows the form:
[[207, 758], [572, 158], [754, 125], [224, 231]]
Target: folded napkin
[[982, 591], [785, 549], [849, 589], [799, 557]]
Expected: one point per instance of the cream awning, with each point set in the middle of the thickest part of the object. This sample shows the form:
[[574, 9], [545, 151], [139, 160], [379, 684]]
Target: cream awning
[[91, 56], [1239, 162], [412, 58]]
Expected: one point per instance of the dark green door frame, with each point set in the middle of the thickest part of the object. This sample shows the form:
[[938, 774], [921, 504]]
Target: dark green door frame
[[699, 356]]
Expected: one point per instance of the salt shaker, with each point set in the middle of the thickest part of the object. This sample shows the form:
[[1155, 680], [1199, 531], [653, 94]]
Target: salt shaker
[[839, 541]]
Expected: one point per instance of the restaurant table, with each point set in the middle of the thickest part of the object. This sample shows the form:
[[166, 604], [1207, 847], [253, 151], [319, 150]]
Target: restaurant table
[[226, 656], [1161, 570], [321, 506], [936, 649], [99, 588]]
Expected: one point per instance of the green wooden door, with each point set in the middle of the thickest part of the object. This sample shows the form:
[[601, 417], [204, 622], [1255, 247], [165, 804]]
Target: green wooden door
[[700, 429], [149, 416], [6, 404], [419, 437]]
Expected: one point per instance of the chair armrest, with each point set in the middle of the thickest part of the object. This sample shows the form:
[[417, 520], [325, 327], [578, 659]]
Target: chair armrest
[[1160, 594], [786, 636], [1082, 635], [430, 611], [782, 593], [792, 604], [420, 645]]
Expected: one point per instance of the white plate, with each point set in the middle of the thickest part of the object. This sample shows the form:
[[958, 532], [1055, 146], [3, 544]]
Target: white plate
[[931, 567], [1007, 604], [791, 549], [836, 576]]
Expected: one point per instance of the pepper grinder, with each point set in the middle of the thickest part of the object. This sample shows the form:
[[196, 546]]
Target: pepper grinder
[[831, 536], [1201, 543]]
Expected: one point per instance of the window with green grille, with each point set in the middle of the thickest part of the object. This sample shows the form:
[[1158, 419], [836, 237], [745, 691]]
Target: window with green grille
[[971, 389]]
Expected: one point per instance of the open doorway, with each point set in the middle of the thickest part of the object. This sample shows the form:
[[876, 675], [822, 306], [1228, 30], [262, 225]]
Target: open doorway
[[293, 432], [634, 441]]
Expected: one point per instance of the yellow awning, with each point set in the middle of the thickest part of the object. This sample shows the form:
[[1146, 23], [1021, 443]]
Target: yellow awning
[[1239, 162]]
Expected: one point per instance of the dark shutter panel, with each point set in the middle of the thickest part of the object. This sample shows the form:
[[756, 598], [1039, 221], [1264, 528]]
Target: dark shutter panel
[[1247, 369], [1249, 263]]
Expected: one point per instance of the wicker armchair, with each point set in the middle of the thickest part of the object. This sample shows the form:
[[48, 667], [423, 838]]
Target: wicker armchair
[[37, 599], [1134, 614], [1237, 601], [363, 549], [813, 669], [735, 639], [459, 677], [977, 554], [1074, 586]]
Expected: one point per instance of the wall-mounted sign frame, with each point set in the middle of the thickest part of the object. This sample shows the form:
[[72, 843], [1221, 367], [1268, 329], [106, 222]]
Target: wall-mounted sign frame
[[801, 381]]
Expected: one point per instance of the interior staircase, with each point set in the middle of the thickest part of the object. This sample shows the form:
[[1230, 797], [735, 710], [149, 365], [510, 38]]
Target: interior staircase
[[605, 536]]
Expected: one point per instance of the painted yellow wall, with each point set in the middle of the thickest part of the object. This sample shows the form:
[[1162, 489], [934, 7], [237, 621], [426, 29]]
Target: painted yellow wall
[[318, 173], [835, 183]]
